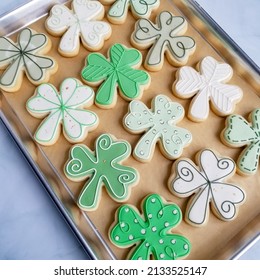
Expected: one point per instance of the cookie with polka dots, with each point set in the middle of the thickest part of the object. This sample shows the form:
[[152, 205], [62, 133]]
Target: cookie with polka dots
[[149, 232]]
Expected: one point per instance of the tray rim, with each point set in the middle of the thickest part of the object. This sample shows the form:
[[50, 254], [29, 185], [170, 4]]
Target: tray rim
[[57, 202], [220, 32]]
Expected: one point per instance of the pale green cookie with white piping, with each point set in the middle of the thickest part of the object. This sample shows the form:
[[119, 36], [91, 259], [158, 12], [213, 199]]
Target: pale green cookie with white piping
[[158, 125]]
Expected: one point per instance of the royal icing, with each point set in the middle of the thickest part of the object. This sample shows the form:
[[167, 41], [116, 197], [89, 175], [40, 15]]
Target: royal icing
[[65, 108], [207, 184], [82, 21], [103, 168], [238, 133], [23, 57], [208, 85], [165, 37], [117, 70], [159, 124], [140, 9], [150, 232]]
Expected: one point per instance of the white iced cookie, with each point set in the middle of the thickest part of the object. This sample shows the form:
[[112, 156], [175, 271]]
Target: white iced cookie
[[207, 185], [159, 125], [25, 56], [117, 14], [83, 21], [66, 108], [163, 37], [209, 84]]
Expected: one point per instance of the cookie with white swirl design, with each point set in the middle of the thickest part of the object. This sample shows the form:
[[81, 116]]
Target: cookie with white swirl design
[[83, 21]]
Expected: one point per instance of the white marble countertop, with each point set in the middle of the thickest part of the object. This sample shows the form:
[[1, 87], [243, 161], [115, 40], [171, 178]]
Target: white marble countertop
[[239, 19], [31, 227]]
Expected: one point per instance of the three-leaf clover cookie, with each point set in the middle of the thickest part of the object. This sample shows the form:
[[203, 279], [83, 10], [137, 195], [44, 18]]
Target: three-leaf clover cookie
[[25, 56], [209, 84], [159, 124], [117, 14], [150, 232], [103, 167], [164, 37], [206, 184], [117, 71], [238, 133], [83, 21], [66, 108]]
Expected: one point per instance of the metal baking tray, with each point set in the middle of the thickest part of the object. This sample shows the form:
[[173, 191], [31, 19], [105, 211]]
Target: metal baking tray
[[79, 221]]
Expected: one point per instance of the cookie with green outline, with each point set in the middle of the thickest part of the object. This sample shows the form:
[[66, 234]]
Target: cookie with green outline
[[66, 109]]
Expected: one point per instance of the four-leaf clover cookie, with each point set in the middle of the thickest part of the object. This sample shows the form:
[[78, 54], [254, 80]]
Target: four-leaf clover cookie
[[159, 124], [117, 14], [66, 108], [150, 231], [238, 133], [119, 70], [25, 56], [208, 85], [83, 21], [207, 185], [103, 167], [165, 37]]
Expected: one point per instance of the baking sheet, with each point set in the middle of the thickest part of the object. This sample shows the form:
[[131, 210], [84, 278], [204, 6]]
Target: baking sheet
[[216, 240]]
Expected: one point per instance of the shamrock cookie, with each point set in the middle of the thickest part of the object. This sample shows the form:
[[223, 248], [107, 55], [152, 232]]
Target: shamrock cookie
[[207, 184], [119, 70], [83, 21], [165, 37], [65, 108], [159, 124], [140, 9], [25, 57], [238, 133], [103, 168], [208, 85], [150, 231]]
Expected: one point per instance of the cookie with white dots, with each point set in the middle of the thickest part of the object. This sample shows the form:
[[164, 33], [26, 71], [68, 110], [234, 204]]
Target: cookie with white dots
[[159, 125], [149, 232]]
